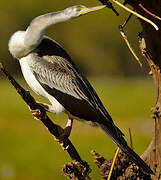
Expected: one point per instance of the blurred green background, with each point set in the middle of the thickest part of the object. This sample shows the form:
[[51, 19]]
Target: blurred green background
[[27, 150]]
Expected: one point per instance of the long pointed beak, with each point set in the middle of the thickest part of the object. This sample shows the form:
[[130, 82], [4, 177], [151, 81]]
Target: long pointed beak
[[91, 9]]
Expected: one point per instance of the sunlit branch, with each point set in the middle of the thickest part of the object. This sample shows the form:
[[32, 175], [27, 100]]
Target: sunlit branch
[[150, 13], [136, 14], [113, 163], [128, 44]]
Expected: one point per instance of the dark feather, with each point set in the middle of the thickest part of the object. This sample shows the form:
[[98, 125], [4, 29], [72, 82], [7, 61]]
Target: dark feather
[[80, 99], [57, 74]]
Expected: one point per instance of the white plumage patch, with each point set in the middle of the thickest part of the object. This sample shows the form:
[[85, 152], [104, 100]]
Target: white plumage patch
[[35, 85], [16, 44]]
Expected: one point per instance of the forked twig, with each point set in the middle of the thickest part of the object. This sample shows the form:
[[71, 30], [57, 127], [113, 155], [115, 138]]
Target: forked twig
[[127, 20], [109, 5], [136, 14], [113, 163]]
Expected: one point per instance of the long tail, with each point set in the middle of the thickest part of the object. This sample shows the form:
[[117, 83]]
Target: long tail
[[117, 137]]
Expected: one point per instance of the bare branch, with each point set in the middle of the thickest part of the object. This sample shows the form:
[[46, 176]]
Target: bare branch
[[53, 128], [113, 163]]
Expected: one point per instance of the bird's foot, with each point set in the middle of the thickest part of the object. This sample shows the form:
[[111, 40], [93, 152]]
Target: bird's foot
[[64, 134], [46, 106], [36, 113]]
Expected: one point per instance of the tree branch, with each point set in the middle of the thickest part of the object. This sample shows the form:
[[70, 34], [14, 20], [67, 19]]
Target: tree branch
[[55, 130], [150, 45]]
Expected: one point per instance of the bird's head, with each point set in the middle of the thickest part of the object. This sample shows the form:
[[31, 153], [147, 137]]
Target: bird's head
[[23, 42], [79, 10]]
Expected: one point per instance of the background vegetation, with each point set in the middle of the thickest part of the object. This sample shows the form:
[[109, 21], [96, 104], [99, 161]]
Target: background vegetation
[[27, 150]]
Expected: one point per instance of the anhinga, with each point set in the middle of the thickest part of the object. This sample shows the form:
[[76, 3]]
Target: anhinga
[[50, 72]]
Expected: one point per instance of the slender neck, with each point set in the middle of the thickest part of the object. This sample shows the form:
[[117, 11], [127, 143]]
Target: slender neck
[[35, 31]]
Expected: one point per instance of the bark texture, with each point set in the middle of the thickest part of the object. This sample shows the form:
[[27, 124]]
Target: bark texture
[[77, 169], [150, 44]]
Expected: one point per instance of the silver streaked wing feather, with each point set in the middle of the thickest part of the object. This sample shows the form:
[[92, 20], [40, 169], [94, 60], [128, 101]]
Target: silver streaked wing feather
[[56, 73]]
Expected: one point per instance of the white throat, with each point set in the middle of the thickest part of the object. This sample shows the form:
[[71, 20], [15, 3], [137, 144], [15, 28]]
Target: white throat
[[17, 45]]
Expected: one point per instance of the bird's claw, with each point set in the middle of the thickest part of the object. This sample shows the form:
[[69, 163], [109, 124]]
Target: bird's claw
[[46, 106], [36, 113]]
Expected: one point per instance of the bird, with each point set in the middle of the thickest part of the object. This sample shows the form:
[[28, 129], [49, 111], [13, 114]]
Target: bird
[[51, 73]]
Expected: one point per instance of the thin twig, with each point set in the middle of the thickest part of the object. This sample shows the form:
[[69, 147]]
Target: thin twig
[[109, 5], [136, 14], [150, 13], [131, 141], [128, 44], [113, 163], [127, 20]]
